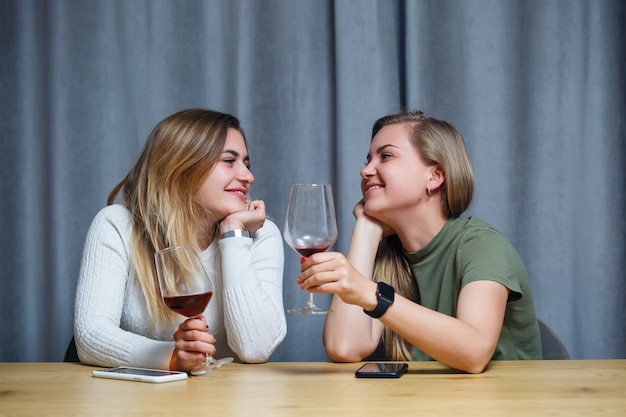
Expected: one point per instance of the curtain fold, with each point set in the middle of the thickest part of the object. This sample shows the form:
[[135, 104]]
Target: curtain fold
[[537, 89]]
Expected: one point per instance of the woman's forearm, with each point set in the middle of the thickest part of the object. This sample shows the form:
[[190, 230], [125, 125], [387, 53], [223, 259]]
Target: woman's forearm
[[349, 334], [254, 312], [465, 342]]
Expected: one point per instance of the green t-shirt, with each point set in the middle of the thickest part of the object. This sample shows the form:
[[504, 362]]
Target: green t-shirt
[[467, 250]]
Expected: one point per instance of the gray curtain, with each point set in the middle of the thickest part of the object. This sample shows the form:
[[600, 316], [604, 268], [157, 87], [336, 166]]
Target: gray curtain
[[536, 87]]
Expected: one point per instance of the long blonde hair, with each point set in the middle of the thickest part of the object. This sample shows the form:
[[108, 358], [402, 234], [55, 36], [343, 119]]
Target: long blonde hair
[[438, 143], [160, 191]]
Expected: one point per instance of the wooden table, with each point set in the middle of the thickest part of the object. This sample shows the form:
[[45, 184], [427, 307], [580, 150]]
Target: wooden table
[[320, 389]]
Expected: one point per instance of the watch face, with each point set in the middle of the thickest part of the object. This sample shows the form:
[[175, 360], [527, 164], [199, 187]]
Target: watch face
[[385, 295], [386, 292]]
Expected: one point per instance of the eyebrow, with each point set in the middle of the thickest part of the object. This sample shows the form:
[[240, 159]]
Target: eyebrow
[[380, 149], [235, 154]]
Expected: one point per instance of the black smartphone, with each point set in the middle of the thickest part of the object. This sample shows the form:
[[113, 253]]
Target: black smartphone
[[381, 370]]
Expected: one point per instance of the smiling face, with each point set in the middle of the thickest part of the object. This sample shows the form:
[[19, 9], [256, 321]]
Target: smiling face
[[395, 178], [224, 189]]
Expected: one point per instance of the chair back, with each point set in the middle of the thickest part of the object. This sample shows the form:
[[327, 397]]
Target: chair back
[[71, 355], [551, 345]]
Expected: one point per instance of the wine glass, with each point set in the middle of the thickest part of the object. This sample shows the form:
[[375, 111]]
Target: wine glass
[[310, 227], [186, 289]]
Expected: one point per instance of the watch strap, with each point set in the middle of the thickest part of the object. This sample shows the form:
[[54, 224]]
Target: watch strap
[[235, 233], [385, 296]]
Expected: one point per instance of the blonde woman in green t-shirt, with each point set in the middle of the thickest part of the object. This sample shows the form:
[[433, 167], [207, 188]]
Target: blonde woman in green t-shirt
[[418, 277]]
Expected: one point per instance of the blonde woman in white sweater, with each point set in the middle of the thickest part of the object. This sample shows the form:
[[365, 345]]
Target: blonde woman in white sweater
[[190, 184]]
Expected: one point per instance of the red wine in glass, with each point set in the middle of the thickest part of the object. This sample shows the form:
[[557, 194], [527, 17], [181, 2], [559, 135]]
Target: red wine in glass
[[310, 227], [189, 305], [310, 250]]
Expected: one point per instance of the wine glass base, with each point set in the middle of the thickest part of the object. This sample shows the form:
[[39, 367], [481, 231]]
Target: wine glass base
[[211, 365], [309, 310], [202, 371], [223, 361]]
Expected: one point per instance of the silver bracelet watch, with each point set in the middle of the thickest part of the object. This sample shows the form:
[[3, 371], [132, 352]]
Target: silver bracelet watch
[[235, 233]]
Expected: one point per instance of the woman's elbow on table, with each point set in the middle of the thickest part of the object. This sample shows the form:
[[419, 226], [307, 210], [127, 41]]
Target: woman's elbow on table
[[344, 352], [254, 356], [476, 368], [261, 351], [475, 362]]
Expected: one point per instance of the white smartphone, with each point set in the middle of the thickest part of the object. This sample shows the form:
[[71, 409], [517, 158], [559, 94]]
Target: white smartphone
[[140, 374]]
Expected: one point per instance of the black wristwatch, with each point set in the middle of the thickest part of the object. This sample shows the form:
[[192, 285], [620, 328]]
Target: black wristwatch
[[385, 295]]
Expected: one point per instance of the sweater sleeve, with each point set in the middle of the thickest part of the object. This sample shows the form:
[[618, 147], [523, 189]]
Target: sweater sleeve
[[254, 314], [105, 292]]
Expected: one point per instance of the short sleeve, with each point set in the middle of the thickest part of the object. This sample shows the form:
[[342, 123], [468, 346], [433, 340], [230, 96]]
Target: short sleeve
[[486, 254]]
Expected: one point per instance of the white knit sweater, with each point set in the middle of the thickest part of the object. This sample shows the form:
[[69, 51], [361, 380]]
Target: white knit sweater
[[111, 323]]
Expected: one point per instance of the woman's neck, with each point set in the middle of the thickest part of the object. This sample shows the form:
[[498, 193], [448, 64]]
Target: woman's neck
[[206, 236], [417, 231]]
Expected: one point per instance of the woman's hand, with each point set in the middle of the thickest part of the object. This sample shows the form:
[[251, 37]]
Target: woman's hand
[[193, 342], [359, 214], [251, 218], [359, 209], [331, 272]]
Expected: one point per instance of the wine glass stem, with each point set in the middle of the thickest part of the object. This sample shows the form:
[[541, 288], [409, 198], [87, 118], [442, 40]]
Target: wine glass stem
[[310, 303]]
